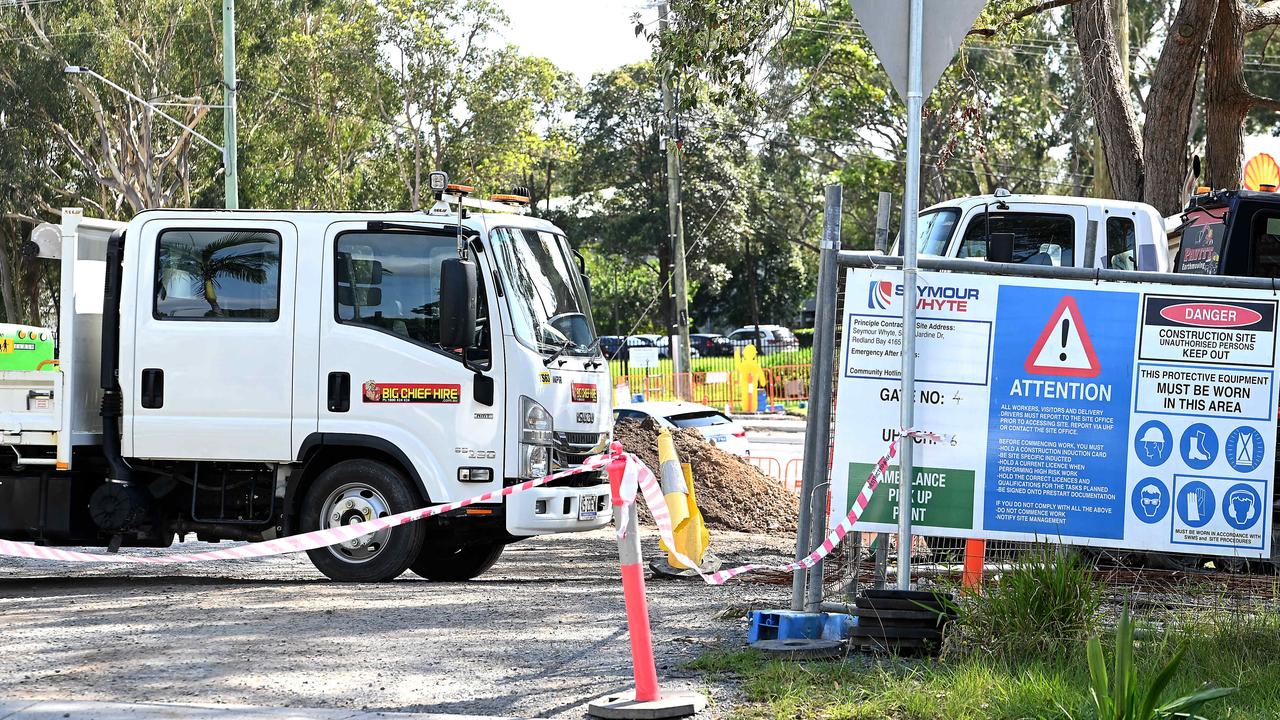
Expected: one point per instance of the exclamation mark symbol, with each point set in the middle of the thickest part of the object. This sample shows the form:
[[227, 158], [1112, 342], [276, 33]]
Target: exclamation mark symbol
[[1066, 330]]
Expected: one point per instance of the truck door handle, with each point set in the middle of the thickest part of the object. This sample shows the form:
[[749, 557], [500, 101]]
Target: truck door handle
[[152, 388], [339, 392]]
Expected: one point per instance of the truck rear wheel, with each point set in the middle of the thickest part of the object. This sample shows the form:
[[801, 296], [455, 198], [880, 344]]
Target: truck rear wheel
[[443, 564], [354, 491]]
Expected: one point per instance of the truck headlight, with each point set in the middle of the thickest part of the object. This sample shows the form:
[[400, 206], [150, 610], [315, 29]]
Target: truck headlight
[[536, 435], [535, 461], [536, 424]]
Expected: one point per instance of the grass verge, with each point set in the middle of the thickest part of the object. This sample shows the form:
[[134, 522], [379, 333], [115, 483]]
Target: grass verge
[[1225, 649]]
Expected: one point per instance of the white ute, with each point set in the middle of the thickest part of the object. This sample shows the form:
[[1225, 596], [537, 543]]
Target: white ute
[[1048, 230], [246, 375]]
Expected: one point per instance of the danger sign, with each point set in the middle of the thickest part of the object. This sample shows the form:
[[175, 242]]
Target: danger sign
[[1064, 347]]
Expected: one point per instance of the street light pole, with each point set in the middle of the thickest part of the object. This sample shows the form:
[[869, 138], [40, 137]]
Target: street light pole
[[675, 219], [230, 161]]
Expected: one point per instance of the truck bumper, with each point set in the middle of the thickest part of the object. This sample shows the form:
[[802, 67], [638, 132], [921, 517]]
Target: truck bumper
[[546, 510]]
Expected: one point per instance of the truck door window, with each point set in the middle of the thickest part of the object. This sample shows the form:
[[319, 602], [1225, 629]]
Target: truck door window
[[1200, 248], [217, 275], [1266, 246], [1038, 238], [390, 281], [933, 230], [1121, 244]]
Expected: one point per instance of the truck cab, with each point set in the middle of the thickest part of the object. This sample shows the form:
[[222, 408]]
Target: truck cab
[[1229, 232], [1047, 230], [245, 375]]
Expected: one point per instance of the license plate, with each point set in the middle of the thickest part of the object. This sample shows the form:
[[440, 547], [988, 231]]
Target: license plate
[[717, 439], [588, 507]]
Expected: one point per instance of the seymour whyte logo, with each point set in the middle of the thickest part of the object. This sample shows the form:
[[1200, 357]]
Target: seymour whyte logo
[[881, 293]]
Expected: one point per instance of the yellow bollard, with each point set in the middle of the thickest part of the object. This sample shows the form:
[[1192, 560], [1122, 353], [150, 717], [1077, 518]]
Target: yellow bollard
[[696, 537], [689, 531]]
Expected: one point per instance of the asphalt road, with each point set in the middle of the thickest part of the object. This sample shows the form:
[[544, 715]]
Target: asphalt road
[[540, 635]]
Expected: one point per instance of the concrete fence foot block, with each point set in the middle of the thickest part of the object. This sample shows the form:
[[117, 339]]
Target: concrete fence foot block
[[624, 706]]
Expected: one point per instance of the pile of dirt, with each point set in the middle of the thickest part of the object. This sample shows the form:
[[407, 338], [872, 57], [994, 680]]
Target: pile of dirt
[[732, 493]]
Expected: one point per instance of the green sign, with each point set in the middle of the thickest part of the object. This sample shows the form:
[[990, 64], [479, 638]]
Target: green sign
[[943, 497], [23, 347]]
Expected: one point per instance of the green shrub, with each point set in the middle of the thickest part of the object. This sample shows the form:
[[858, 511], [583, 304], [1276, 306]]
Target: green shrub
[[1045, 605], [1121, 696]]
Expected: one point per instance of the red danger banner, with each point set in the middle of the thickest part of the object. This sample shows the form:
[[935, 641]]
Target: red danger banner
[[584, 392], [376, 392]]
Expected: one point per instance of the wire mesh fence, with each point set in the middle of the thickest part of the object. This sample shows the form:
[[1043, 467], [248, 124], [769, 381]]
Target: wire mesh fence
[[723, 376]]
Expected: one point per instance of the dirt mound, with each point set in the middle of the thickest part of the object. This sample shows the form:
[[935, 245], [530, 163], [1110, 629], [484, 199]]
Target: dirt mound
[[732, 493]]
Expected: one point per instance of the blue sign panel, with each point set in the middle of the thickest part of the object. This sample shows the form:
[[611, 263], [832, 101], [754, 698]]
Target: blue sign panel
[[1058, 436]]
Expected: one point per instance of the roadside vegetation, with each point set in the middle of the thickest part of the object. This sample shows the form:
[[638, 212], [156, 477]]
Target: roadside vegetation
[[1022, 650]]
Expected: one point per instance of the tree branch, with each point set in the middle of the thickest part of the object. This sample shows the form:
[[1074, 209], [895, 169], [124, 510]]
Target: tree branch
[[1256, 18], [1264, 103], [1042, 6]]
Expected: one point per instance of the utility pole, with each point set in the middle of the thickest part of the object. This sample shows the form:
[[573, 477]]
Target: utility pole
[[675, 220], [230, 162]]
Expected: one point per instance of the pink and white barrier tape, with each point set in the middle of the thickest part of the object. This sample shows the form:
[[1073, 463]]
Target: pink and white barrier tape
[[638, 475], [293, 543]]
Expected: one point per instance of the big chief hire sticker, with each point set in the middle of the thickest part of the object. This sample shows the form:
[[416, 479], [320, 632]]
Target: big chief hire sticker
[[435, 393]]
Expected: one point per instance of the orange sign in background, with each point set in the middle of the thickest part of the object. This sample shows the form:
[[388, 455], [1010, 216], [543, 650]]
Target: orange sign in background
[[1261, 170]]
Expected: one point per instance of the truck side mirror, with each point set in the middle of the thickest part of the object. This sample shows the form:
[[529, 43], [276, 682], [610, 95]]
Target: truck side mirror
[[457, 303], [1000, 247]]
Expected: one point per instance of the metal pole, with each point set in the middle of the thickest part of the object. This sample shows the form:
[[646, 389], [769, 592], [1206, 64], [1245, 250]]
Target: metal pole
[[910, 209], [882, 560], [230, 161], [675, 219], [817, 434], [882, 222]]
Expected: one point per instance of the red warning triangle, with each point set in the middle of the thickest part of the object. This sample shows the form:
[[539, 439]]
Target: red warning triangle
[[1064, 347]]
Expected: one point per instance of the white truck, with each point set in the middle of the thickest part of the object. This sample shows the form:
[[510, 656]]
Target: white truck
[[1046, 230], [246, 375]]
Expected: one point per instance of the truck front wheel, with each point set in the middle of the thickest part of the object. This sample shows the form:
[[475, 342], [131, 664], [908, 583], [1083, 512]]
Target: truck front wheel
[[354, 491], [451, 564]]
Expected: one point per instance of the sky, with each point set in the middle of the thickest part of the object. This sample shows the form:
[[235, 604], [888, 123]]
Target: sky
[[581, 36]]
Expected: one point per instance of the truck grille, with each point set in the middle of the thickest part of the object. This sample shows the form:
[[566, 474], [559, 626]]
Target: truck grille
[[572, 448]]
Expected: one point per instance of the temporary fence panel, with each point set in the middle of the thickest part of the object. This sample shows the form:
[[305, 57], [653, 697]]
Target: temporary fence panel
[[770, 466], [1140, 417], [719, 380]]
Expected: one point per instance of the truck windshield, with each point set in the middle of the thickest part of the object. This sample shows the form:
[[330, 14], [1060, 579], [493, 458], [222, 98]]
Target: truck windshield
[[549, 309]]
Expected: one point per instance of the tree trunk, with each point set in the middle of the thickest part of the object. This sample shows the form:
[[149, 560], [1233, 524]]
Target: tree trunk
[[1171, 106], [1112, 110], [1119, 10], [1227, 99], [12, 313]]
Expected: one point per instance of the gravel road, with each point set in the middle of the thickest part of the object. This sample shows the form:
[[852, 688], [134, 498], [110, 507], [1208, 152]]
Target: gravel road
[[538, 636]]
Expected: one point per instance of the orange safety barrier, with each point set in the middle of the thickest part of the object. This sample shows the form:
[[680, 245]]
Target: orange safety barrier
[[787, 382], [768, 465], [792, 473]]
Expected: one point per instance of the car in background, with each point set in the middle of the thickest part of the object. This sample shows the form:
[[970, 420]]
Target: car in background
[[711, 345], [767, 338], [664, 345], [719, 429], [615, 348]]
